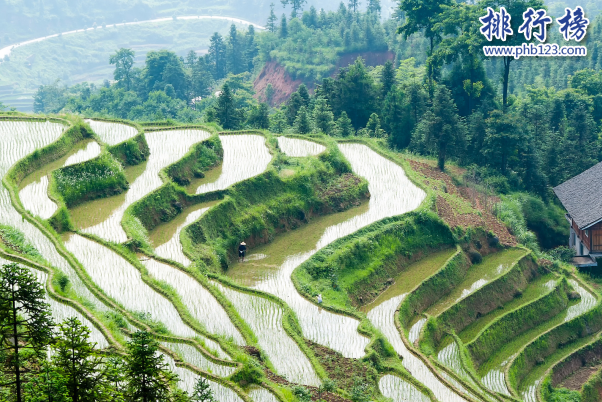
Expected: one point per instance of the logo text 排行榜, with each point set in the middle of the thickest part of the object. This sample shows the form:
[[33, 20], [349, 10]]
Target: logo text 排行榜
[[497, 25]]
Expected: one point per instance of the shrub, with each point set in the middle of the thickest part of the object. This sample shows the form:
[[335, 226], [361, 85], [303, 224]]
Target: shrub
[[96, 178], [475, 256], [563, 253]]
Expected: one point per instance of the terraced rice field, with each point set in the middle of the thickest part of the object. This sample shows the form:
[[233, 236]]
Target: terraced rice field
[[299, 148], [163, 152], [266, 273], [19, 139], [237, 148], [112, 133], [34, 195], [201, 304]]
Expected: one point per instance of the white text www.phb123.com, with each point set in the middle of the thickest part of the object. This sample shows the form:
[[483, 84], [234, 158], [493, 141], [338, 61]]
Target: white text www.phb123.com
[[531, 49]]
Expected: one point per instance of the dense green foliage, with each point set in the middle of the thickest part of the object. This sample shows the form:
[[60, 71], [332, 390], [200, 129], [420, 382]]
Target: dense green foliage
[[96, 178]]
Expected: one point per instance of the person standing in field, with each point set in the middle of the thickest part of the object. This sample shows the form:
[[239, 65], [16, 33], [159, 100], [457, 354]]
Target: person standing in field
[[242, 251]]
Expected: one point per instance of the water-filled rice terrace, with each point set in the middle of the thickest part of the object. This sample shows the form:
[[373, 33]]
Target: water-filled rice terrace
[[147, 230]]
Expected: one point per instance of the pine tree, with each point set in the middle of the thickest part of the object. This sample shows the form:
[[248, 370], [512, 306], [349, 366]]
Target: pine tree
[[373, 127], [278, 122], [388, 78], [302, 123], [146, 372], [251, 50], [271, 24], [323, 117], [374, 6], [344, 125], [354, 5], [226, 111], [47, 385], [25, 322], [202, 392], [292, 107], [396, 119], [440, 127], [258, 117], [297, 6], [503, 137], [79, 362], [217, 56], [235, 62], [283, 27]]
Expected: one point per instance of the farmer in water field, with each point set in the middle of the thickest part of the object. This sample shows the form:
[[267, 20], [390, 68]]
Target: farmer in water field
[[242, 250], [320, 298]]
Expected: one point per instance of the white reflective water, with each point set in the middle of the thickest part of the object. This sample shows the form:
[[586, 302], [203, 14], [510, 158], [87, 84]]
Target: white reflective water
[[191, 355], [298, 148], [383, 317], [265, 319], [34, 196], [400, 390], [61, 312], [245, 156], [200, 303], [262, 395], [166, 147], [17, 140], [172, 250], [123, 282], [188, 379], [112, 133], [91, 151], [392, 193], [414, 333]]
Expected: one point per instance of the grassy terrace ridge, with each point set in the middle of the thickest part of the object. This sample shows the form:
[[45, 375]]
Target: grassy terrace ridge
[[500, 289], [258, 208], [547, 348], [132, 151], [590, 354], [55, 151]]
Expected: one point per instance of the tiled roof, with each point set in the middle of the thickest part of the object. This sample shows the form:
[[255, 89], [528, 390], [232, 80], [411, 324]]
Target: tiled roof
[[582, 196]]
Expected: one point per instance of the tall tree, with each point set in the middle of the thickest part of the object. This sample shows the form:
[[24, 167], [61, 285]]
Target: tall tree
[[440, 127], [271, 24], [165, 68], [323, 117], [296, 5], [79, 362], [217, 56], [148, 376], [374, 6], [502, 140], [357, 93], [202, 392], [251, 50], [235, 61], [302, 123], [396, 119], [258, 117], [226, 111], [123, 60], [354, 5], [387, 78], [344, 125], [25, 322], [515, 8], [283, 27]]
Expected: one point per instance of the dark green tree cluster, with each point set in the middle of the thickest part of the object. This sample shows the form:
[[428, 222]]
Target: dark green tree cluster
[[168, 86], [75, 370]]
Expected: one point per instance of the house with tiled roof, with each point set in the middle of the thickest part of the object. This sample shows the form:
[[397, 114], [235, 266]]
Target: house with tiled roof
[[581, 196]]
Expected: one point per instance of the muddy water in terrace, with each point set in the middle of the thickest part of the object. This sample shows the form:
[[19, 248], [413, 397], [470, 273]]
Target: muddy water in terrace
[[166, 147], [191, 355], [95, 212], [34, 188], [392, 193], [17, 140]]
